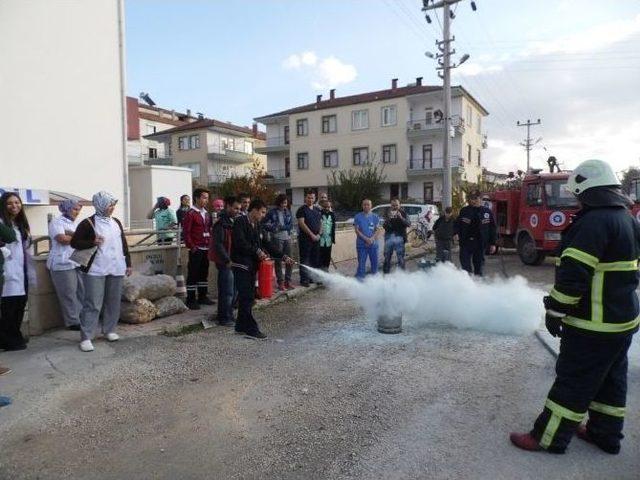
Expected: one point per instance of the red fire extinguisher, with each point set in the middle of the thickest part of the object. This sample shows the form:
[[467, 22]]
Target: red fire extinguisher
[[265, 279]]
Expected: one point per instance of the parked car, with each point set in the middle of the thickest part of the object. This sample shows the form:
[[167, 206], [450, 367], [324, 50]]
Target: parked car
[[414, 211]]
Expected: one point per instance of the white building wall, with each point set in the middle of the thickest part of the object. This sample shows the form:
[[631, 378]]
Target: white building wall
[[56, 56], [150, 182]]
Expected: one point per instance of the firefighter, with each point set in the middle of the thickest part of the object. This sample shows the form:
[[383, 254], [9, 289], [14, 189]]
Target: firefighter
[[593, 308], [476, 230]]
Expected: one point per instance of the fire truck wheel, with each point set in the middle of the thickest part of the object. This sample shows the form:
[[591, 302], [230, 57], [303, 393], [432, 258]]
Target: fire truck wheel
[[527, 251]]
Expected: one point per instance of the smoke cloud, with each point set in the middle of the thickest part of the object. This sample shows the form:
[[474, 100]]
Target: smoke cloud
[[444, 295]]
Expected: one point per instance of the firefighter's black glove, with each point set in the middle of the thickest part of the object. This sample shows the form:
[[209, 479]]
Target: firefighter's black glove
[[553, 324]]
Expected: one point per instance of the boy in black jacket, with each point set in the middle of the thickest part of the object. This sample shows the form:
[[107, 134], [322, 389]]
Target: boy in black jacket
[[247, 250]]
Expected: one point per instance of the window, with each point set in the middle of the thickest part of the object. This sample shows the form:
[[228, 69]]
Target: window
[[428, 116], [302, 127], [151, 129], [360, 155], [229, 143], [427, 156], [468, 153], [329, 124], [399, 190], [248, 148], [194, 167], [330, 159], [428, 192], [469, 119], [194, 142], [478, 124], [287, 167], [389, 154], [303, 161], [388, 116], [153, 153], [183, 143], [412, 211], [359, 119], [534, 195], [479, 158], [286, 135]]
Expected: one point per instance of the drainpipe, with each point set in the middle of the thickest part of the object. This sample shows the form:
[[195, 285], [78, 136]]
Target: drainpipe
[[123, 100]]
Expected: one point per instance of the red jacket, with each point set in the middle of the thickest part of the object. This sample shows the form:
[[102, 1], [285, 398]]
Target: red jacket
[[197, 230]]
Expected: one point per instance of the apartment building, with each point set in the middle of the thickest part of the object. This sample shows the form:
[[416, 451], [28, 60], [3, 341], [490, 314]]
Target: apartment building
[[213, 150], [143, 120], [400, 128]]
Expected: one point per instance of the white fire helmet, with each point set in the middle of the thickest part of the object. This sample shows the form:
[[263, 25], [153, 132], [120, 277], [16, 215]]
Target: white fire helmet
[[589, 174]]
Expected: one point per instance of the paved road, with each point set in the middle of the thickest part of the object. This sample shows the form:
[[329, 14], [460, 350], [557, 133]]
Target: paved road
[[326, 397]]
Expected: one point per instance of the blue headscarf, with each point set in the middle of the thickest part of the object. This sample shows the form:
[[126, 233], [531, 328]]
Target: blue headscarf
[[102, 201], [66, 206]]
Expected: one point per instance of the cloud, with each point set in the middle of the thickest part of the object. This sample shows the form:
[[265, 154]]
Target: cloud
[[471, 69], [597, 37], [328, 72]]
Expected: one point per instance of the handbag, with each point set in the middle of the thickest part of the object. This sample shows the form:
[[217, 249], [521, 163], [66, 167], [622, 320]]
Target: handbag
[[83, 257]]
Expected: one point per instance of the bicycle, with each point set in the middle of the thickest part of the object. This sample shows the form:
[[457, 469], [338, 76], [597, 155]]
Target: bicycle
[[418, 235]]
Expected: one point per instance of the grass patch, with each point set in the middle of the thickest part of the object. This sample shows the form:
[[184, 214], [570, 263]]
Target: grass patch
[[182, 331]]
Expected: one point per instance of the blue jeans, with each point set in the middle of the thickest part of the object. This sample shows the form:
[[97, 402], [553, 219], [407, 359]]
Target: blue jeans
[[364, 252], [393, 243], [226, 292]]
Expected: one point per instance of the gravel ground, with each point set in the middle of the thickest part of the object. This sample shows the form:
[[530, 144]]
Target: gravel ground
[[325, 397]]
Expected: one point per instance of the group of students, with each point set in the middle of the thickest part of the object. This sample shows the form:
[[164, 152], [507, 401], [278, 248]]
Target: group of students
[[237, 235], [88, 290]]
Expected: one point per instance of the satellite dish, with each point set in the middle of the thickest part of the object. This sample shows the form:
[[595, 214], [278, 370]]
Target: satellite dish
[[145, 96]]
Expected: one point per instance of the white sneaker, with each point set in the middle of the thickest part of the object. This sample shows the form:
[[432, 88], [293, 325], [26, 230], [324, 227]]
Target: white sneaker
[[86, 346], [113, 337]]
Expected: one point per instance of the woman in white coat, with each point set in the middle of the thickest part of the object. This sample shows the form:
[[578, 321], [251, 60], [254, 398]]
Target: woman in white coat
[[16, 266], [65, 274]]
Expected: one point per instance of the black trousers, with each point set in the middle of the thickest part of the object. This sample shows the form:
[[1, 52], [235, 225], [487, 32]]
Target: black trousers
[[197, 275], [245, 282], [11, 315], [309, 255], [324, 258], [472, 251], [591, 376]]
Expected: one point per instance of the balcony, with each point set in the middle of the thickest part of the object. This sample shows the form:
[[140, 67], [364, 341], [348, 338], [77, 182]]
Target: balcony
[[277, 177], [218, 178], [418, 166], [419, 128], [275, 144], [222, 153]]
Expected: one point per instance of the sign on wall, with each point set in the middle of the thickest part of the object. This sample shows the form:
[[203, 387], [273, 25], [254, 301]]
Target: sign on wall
[[29, 196]]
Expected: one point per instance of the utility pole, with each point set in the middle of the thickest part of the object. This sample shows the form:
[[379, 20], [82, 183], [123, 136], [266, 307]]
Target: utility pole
[[444, 64], [528, 143]]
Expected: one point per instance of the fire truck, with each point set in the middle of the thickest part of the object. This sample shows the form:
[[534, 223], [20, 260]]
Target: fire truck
[[531, 215]]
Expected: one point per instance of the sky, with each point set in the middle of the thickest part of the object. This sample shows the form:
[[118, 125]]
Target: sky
[[573, 64]]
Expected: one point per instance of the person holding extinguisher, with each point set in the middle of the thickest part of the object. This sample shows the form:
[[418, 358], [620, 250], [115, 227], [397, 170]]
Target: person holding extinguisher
[[247, 250]]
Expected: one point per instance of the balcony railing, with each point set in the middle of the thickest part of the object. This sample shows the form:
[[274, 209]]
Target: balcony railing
[[425, 126], [276, 176], [278, 141], [218, 152], [419, 164]]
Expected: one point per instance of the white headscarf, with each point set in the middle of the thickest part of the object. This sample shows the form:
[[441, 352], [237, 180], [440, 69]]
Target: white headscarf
[[102, 201]]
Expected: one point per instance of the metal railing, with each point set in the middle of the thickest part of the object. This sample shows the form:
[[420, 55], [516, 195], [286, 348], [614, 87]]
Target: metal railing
[[279, 141], [425, 125], [425, 164], [277, 174]]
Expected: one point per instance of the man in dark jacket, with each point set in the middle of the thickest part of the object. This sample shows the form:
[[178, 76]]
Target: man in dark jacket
[[443, 230], [593, 307], [395, 235], [476, 230], [247, 250], [220, 254]]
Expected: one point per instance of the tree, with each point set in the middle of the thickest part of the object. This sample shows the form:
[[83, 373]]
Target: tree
[[349, 187], [628, 177], [252, 183]]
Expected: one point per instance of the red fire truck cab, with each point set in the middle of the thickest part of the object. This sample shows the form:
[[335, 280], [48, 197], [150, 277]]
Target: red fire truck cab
[[531, 216]]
